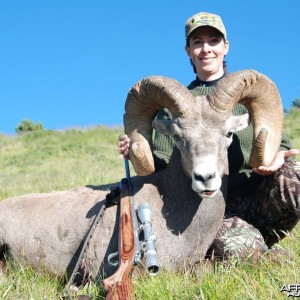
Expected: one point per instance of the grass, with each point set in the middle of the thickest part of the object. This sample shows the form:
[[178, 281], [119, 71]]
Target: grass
[[43, 161], [24, 283], [52, 160], [292, 128]]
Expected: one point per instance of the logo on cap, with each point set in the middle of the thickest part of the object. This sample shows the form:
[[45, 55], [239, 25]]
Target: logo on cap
[[204, 19]]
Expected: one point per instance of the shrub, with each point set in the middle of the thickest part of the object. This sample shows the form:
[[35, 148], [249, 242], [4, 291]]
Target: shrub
[[28, 126], [296, 103]]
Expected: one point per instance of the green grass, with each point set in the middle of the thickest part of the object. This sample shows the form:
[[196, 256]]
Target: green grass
[[292, 128], [58, 160], [52, 160], [25, 283]]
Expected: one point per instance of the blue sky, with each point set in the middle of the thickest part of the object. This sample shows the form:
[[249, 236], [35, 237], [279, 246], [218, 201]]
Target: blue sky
[[70, 63]]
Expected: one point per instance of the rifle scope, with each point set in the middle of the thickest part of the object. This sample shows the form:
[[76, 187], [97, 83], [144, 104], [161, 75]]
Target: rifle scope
[[144, 213]]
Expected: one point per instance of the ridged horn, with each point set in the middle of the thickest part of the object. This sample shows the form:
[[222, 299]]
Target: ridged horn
[[144, 100], [260, 96]]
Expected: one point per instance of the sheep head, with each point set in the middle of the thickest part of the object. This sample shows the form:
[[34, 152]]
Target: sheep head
[[250, 88], [202, 140]]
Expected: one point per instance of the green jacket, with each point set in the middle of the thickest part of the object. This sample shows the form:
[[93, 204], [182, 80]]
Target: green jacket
[[240, 172]]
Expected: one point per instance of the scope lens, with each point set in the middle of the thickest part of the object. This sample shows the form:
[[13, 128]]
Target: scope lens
[[153, 270]]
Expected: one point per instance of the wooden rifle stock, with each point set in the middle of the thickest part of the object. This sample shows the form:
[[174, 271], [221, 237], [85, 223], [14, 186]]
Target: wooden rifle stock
[[119, 285]]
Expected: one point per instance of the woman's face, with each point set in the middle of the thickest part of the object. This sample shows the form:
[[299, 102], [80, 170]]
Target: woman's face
[[207, 49]]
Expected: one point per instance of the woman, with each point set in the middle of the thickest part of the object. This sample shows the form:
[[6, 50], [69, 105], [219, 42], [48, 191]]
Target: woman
[[262, 203]]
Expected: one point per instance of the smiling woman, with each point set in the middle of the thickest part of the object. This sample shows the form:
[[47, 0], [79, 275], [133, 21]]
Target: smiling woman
[[206, 45], [207, 48], [254, 195]]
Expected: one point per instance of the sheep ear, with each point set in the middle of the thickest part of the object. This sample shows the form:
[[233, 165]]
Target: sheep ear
[[163, 126], [239, 122]]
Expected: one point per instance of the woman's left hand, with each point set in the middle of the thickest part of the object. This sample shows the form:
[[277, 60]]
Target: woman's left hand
[[277, 163]]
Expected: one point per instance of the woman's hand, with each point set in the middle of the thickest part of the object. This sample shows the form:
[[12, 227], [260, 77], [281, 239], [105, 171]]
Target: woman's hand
[[124, 145], [277, 163]]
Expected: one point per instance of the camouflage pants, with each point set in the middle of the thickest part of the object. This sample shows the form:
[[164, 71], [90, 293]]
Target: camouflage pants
[[258, 220]]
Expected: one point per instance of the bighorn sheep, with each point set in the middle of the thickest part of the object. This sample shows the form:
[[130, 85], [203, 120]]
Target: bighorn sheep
[[187, 198]]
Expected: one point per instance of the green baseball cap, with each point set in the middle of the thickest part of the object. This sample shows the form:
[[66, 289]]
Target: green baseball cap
[[204, 19]]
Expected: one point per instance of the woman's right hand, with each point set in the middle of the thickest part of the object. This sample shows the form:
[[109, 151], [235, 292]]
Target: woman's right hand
[[124, 145]]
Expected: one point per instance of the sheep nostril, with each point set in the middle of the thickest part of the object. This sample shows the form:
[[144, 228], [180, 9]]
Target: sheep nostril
[[211, 176], [205, 178], [199, 177]]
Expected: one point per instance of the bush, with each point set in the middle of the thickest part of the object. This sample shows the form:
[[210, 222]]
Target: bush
[[28, 126], [296, 103]]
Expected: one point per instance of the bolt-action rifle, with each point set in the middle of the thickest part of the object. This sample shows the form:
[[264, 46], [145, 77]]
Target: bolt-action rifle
[[131, 250]]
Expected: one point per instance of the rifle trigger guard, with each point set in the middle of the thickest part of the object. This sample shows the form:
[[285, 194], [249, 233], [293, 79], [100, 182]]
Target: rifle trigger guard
[[113, 259]]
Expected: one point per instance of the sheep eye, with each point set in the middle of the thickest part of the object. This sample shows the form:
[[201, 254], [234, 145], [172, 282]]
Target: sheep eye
[[229, 134], [178, 140]]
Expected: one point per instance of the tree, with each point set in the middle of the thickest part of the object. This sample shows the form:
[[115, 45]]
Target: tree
[[296, 103], [28, 126]]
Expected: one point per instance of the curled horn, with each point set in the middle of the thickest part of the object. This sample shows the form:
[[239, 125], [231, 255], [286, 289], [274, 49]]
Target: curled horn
[[261, 97], [250, 88], [144, 100]]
